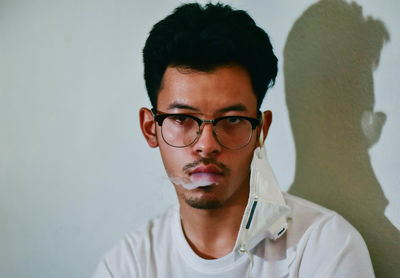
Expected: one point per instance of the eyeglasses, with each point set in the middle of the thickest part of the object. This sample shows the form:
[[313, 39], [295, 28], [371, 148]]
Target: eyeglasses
[[182, 130]]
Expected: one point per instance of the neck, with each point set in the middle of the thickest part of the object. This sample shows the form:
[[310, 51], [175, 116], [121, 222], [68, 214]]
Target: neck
[[212, 233]]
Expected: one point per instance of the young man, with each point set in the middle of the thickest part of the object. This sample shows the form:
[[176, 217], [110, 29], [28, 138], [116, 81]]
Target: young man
[[207, 70]]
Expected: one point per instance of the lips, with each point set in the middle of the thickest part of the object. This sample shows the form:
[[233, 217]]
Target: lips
[[206, 174], [209, 169]]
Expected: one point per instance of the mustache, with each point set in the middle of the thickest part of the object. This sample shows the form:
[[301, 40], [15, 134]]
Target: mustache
[[225, 170]]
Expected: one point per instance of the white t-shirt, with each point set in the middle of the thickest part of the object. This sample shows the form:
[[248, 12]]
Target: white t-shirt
[[318, 243]]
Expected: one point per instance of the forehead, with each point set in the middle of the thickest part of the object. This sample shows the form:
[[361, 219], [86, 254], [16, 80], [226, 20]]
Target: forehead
[[207, 92]]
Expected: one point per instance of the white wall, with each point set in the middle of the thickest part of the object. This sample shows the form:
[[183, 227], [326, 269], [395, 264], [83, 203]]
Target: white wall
[[75, 172]]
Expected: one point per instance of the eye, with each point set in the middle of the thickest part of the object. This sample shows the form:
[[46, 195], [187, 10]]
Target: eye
[[179, 119], [234, 120]]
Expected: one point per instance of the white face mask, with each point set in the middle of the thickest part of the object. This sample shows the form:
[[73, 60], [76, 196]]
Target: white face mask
[[266, 211]]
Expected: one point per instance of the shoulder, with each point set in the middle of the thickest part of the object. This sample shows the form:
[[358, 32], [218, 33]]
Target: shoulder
[[154, 230], [308, 219], [129, 257], [325, 243], [307, 216], [300, 206]]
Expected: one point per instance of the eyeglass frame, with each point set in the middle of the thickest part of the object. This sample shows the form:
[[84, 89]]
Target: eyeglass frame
[[159, 117]]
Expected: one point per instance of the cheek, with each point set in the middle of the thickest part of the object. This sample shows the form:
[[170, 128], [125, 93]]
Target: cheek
[[240, 162], [173, 159]]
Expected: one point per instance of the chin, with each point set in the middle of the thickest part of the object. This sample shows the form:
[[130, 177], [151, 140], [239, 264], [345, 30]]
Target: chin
[[206, 197], [199, 203]]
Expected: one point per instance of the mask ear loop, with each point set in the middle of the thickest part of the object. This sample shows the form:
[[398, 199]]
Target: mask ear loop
[[261, 138]]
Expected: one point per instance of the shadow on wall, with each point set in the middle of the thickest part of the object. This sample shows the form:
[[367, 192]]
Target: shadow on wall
[[329, 59]]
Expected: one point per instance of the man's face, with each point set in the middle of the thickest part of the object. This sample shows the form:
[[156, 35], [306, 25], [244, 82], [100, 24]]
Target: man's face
[[226, 91]]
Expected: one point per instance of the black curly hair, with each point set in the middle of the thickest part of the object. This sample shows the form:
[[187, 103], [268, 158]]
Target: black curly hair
[[206, 37]]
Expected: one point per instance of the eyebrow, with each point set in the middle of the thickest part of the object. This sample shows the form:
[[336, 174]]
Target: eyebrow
[[236, 107], [178, 105]]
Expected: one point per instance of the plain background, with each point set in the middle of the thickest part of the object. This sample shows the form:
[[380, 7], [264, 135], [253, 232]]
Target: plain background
[[76, 174]]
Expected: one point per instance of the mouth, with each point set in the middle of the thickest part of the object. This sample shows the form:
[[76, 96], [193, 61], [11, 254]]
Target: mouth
[[209, 174]]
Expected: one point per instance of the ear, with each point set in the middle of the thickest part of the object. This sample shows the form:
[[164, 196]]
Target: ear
[[267, 123], [148, 127]]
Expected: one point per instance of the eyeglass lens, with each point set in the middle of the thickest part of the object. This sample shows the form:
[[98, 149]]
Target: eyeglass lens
[[182, 131]]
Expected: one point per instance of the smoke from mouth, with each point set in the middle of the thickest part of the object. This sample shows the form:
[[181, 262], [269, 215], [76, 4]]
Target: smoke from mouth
[[189, 184]]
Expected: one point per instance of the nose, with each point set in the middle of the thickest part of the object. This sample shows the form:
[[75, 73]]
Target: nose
[[207, 143]]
